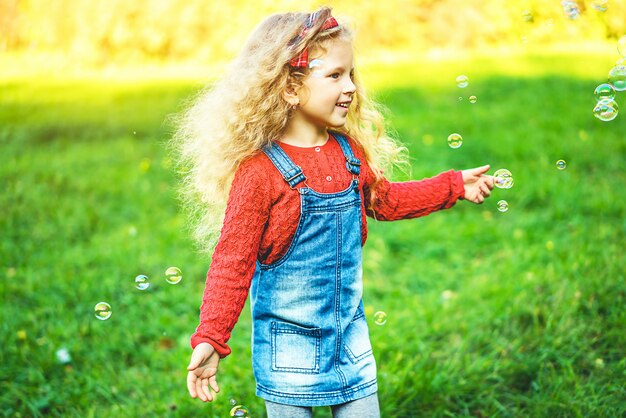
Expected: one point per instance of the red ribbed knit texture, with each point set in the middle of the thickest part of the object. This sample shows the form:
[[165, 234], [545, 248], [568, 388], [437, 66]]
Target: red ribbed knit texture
[[263, 212]]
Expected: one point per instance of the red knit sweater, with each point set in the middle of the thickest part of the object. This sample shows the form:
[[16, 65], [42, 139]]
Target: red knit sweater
[[263, 212]]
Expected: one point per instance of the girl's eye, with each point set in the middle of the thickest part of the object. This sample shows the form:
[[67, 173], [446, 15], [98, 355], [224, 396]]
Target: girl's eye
[[335, 75]]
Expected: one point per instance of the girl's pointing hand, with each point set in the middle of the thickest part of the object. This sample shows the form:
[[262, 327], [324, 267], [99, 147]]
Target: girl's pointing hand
[[478, 186]]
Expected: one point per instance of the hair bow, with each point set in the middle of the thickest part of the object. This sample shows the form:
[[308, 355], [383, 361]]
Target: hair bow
[[302, 60]]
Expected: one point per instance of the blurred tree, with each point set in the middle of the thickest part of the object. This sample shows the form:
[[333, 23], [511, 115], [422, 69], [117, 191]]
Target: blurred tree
[[208, 30]]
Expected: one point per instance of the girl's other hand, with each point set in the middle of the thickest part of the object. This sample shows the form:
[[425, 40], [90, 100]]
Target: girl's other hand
[[478, 186], [202, 370]]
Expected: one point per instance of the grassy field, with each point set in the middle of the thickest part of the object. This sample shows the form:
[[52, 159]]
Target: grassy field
[[515, 314]]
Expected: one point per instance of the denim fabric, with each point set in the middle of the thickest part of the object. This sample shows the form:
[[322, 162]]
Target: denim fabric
[[361, 408], [310, 340]]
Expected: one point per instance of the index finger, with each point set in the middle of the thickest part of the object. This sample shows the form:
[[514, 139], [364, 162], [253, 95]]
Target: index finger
[[191, 384]]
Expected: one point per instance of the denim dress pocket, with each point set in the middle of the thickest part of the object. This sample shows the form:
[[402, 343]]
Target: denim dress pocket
[[356, 339], [295, 349]]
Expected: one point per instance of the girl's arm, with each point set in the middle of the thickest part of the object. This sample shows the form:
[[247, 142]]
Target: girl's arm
[[234, 259], [412, 199]]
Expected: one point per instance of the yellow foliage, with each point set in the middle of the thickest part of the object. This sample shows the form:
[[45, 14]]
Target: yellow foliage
[[207, 31]]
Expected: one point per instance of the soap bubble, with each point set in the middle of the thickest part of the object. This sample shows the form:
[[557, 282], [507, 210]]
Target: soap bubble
[[173, 275], [102, 311], [380, 318], [462, 81], [316, 67], [502, 205], [617, 77], [621, 46], [600, 5], [63, 356], [447, 295], [561, 164], [455, 140], [233, 402], [527, 15], [604, 91], [504, 179], [570, 8], [606, 110], [473, 99], [239, 411], [141, 282]]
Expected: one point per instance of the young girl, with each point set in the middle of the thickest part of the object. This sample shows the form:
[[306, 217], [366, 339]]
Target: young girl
[[289, 139]]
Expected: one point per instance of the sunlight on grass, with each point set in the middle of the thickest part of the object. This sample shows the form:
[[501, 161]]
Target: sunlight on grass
[[488, 314]]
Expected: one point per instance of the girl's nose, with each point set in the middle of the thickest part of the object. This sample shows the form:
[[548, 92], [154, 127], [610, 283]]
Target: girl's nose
[[349, 88]]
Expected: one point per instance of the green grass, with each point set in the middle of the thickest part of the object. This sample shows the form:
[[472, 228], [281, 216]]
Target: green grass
[[516, 314]]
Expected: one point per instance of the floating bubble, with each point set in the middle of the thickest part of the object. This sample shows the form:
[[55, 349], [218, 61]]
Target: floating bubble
[[455, 140], [173, 275], [233, 402], [561, 164], [460, 99], [604, 91], [606, 110], [239, 411], [462, 81], [141, 282], [527, 15], [600, 5], [473, 99], [63, 356], [502, 205], [447, 295], [570, 8], [621, 46], [617, 77], [380, 318], [102, 311], [316, 67], [504, 179]]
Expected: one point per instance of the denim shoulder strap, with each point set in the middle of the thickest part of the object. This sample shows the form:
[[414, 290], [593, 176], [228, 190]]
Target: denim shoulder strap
[[290, 172], [352, 163]]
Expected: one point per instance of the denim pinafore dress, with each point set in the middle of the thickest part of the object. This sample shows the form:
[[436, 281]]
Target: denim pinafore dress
[[310, 340]]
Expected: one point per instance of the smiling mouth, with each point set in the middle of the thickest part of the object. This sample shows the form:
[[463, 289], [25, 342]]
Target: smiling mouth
[[345, 105]]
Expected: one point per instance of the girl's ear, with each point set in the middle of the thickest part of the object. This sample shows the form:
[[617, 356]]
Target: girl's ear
[[291, 96]]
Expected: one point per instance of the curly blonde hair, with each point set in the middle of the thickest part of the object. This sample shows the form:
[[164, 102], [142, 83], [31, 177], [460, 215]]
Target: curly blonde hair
[[245, 110]]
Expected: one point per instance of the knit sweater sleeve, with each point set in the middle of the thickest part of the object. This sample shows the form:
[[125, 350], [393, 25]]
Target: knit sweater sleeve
[[234, 259], [412, 199]]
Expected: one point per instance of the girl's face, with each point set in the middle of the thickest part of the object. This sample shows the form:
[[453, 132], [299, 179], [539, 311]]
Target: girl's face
[[328, 88]]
